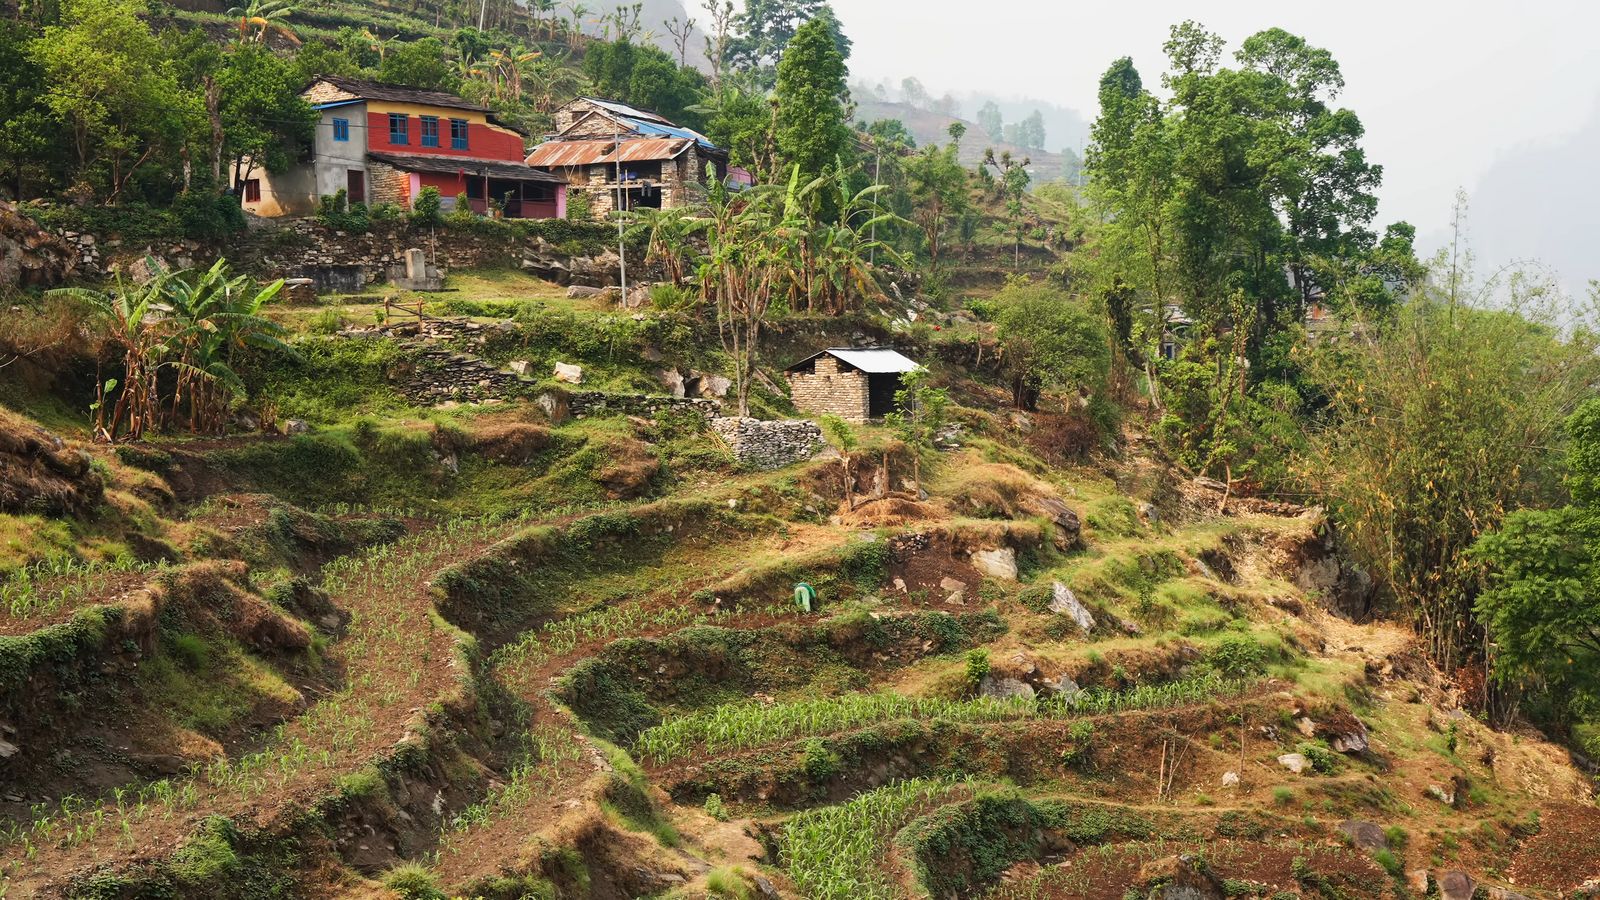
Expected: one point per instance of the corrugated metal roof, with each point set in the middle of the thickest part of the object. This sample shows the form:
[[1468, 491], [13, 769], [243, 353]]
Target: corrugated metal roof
[[556, 154], [646, 149], [670, 130], [623, 109], [872, 360], [450, 165]]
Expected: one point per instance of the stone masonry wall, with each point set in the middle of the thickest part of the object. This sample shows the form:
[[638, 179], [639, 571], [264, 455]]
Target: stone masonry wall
[[830, 391], [766, 445], [389, 185]]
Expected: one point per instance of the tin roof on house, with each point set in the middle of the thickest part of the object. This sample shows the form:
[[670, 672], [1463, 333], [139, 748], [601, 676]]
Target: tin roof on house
[[451, 165], [623, 109], [872, 360], [556, 154], [646, 123]]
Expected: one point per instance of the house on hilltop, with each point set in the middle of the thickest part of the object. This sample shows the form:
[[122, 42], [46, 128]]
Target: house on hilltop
[[855, 384], [606, 149], [384, 143]]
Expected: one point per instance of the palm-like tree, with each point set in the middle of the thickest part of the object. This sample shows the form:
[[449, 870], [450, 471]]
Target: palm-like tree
[[576, 12], [258, 17], [549, 80], [669, 234], [216, 318], [378, 44], [133, 323], [507, 67]]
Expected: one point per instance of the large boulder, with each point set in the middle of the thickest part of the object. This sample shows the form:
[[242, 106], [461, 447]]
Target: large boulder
[[1365, 835], [1000, 563], [29, 255], [1068, 533], [1179, 878], [1064, 602]]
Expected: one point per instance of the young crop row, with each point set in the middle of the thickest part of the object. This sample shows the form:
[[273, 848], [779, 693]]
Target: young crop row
[[746, 725], [520, 661], [551, 754], [837, 852], [388, 646], [45, 587]]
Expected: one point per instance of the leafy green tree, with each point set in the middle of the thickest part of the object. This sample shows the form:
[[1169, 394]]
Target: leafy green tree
[[1013, 184], [266, 124], [1439, 425], [1028, 133], [420, 64], [1049, 342], [939, 194], [990, 121], [811, 134], [109, 82], [30, 137], [765, 28], [922, 411], [741, 121]]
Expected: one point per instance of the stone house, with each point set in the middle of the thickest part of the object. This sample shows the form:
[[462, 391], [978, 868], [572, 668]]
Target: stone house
[[384, 143], [614, 153], [857, 385]]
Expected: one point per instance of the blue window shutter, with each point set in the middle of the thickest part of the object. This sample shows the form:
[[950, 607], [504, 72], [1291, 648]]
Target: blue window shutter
[[341, 129], [399, 128]]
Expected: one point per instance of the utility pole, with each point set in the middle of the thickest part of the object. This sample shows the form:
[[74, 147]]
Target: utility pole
[[622, 244], [877, 166], [482, 12]]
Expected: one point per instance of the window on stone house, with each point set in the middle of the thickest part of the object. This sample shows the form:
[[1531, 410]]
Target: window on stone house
[[252, 190], [458, 134], [430, 131], [399, 128], [341, 129]]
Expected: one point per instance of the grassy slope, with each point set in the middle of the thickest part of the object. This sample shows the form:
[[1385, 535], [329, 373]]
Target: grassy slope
[[452, 637]]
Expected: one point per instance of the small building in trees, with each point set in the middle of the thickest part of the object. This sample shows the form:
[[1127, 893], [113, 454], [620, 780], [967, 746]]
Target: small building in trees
[[855, 384], [384, 143], [604, 150]]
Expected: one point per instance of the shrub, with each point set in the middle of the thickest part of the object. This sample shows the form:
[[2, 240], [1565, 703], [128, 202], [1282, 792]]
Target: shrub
[[977, 667], [579, 207], [1391, 864], [328, 322], [1323, 760], [727, 882], [425, 208], [1283, 795], [1238, 656], [715, 808], [413, 881]]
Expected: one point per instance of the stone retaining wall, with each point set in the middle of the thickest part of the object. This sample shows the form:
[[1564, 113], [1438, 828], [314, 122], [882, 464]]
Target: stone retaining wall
[[580, 404], [765, 445]]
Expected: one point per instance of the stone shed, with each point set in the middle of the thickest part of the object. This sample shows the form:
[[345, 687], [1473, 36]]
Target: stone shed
[[855, 384]]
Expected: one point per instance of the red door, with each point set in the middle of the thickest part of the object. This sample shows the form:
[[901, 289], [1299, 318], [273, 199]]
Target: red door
[[356, 192]]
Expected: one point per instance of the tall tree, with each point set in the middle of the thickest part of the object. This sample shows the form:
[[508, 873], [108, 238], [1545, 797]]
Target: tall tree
[[266, 124], [811, 134], [939, 193], [991, 121], [420, 64], [108, 80], [765, 28], [30, 137]]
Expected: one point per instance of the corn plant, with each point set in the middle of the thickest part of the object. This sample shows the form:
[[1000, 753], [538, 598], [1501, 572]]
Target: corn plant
[[838, 851]]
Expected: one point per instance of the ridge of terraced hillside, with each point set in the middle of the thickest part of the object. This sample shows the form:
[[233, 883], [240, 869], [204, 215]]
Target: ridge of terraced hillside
[[493, 649]]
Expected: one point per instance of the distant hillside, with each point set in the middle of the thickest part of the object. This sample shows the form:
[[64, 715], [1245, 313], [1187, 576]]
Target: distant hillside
[[932, 128]]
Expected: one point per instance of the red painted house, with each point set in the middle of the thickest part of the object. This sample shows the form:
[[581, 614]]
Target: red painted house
[[384, 143]]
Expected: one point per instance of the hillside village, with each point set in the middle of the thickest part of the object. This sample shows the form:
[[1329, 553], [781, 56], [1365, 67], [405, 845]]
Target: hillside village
[[468, 451]]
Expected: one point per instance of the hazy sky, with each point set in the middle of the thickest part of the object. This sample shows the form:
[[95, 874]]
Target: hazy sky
[[1445, 89]]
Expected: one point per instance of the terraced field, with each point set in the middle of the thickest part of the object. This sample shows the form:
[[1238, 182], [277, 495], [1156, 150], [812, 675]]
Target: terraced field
[[467, 656]]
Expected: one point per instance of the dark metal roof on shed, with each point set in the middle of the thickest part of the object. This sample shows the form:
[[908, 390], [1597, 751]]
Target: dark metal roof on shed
[[872, 360], [451, 165]]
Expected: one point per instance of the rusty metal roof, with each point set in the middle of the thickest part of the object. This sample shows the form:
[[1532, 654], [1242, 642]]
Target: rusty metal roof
[[557, 154]]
